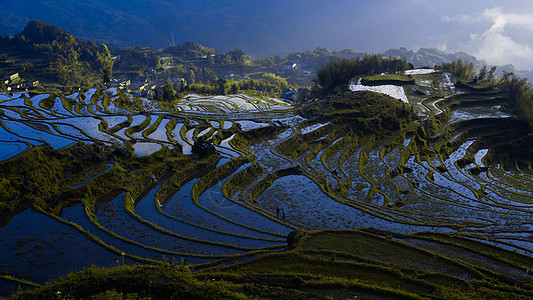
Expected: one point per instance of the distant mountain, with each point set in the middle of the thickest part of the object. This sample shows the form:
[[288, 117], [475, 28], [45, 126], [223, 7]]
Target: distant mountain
[[223, 25], [429, 57]]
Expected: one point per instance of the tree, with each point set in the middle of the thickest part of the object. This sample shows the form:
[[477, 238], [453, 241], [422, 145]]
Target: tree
[[482, 72], [269, 62], [237, 56], [203, 148], [463, 71], [276, 80], [190, 76], [492, 74], [169, 94], [339, 72], [234, 89], [106, 76], [519, 93], [221, 86]]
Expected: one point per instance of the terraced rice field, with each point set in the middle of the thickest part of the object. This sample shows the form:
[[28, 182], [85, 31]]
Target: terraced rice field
[[274, 172]]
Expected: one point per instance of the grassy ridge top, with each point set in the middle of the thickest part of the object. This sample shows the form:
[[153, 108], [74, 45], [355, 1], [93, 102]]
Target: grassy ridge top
[[338, 264], [393, 79], [366, 112]]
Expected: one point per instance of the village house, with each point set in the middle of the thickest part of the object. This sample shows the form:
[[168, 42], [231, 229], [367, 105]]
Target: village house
[[294, 94], [11, 79], [31, 84], [178, 83], [137, 86], [290, 94], [292, 66]]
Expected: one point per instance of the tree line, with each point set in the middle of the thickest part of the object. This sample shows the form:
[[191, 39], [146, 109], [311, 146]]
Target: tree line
[[518, 90], [520, 96], [268, 85], [339, 72]]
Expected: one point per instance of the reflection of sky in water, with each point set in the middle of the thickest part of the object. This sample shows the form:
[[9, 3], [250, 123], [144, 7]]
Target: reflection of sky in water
[[307, 206], [139, 134], [136, 121], [301, 199], [249, 125], [59, 108], [313, 127], [4, 97], [111, 215], [9, 149], [113, 121], [146, 209], [180, 205], [160, 133], [482, 112], [393, 91], [35, 100], [32, 241], [186, 147], [144, 148], [33, 135], [89, 125]]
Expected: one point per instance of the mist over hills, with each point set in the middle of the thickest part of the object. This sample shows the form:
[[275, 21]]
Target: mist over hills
[[264, 29], [491, 30], [422, 58], [220, 25], [427, 57]]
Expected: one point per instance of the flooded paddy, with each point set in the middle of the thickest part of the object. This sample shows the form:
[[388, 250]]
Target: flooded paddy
[[303, 173]]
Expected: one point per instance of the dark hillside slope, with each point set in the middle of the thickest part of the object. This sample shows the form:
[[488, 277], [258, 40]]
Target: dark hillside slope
[[47, 53]]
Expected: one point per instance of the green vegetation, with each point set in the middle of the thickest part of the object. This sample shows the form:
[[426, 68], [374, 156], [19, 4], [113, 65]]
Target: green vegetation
[[339, 264], [520, 97], [365, 136], [55, 56], [269, 85], [394, 79], [365, 112], [340, 72], [224, 182], [49, 187], [463, 71], [519, 93]]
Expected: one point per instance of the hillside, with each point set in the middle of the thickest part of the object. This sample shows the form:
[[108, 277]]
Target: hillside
[[430, 57], [130, 23], [51, 55], [415, 186], [382, 181]]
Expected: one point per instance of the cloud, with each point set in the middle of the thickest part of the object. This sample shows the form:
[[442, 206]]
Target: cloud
[[462, 19], [501, 19], [497, 48], [499, 44]]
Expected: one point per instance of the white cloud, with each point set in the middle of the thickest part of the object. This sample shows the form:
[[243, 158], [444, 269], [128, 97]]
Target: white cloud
[[496, 44], [462, 19], [497, 48], [500, 19]]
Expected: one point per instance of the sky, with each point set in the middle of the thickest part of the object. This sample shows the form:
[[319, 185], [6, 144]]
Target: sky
[[500, 32]]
